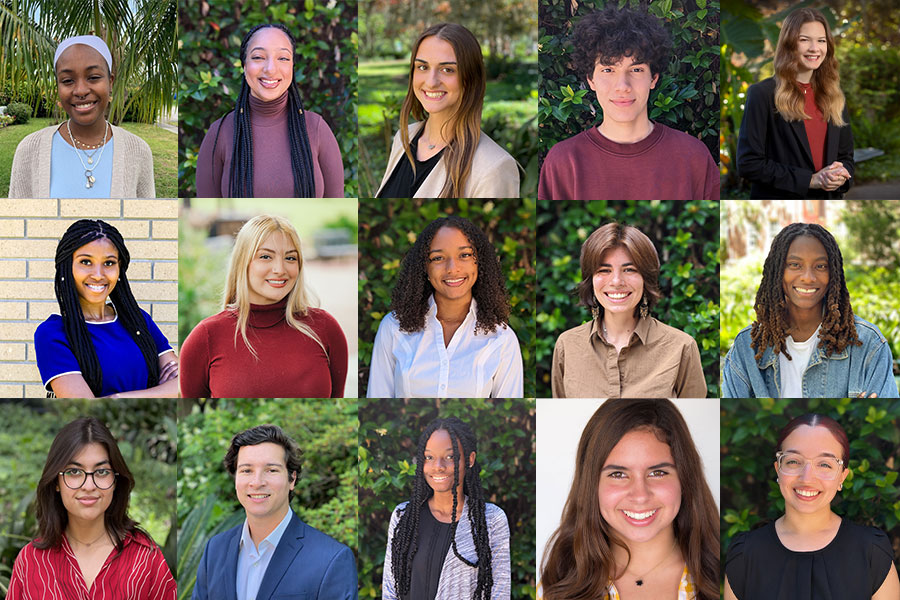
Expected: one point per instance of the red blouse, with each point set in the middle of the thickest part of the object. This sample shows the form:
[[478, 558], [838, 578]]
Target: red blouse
[[816, 127], [138, 573]]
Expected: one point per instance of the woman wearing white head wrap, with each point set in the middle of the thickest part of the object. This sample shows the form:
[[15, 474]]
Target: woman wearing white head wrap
[[85, 156]]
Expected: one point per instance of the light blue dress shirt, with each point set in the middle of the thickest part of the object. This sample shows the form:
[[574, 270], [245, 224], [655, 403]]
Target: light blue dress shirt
[[253, 561], [67, 172]]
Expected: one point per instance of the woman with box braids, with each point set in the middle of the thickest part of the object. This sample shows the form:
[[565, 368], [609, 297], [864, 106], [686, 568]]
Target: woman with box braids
[[434, 553]]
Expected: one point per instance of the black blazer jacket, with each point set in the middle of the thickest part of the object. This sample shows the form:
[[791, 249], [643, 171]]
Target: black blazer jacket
[[774, 154]]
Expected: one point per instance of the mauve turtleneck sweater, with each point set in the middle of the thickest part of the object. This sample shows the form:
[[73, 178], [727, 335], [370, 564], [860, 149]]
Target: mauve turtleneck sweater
[[272, 175]]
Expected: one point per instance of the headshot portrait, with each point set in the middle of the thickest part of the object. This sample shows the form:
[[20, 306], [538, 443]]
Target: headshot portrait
[[446, 309], [630, 509], [645, 277], [634, 88], [273, 116], [277, 518], [91, 506], [808, 499], [447, 492]]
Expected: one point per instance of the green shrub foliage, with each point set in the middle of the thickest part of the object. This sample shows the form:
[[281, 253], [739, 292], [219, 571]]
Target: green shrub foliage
[[388, 229], [211, 70], [388, 437], [686, 96], [19, 110], [686, 237]]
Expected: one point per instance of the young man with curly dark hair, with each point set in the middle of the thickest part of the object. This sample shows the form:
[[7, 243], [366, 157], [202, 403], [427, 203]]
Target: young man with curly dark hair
[[621, 53]]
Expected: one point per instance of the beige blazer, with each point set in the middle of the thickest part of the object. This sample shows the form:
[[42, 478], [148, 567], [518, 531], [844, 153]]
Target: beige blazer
[[495, 174], [132, 170]]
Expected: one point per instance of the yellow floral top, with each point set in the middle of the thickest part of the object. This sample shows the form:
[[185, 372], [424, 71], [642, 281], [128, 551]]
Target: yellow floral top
[[686, 589]]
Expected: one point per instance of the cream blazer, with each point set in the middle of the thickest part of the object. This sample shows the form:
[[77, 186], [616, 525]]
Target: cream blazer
[[495, 174], [132, 170]]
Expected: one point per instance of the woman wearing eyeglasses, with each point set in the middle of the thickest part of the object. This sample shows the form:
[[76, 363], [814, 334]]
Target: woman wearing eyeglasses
[[810, 552], [87, 545]]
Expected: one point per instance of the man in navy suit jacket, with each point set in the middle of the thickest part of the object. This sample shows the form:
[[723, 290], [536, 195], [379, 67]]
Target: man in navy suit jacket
[[273, 555]]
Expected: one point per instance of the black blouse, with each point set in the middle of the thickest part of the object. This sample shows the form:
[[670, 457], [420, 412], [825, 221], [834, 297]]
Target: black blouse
[[402, 182], [851, 567], [428, 562]]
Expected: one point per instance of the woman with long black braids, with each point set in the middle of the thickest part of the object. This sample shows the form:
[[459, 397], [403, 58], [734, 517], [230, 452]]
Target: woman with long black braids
[[806, 342], [446, 542], [269, 146], [101, 343]]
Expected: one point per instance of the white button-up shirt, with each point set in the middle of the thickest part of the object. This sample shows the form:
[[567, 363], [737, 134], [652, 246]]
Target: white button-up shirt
[[253, 561], [418, 365]]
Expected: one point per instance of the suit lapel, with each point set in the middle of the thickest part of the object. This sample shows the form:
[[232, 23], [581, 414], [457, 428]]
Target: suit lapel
[[800, 133], [231, 561], [290, 544]]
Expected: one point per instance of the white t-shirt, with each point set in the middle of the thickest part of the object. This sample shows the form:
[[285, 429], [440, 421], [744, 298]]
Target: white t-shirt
[[792, 370]]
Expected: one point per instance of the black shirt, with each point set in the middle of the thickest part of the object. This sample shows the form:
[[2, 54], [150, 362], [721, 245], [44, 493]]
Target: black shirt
[[427, 564], [403, 183]]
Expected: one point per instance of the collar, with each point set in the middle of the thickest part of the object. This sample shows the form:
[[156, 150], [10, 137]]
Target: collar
[[267, 315], [626, 150], [265, 112], [642, 329], [272, 539]]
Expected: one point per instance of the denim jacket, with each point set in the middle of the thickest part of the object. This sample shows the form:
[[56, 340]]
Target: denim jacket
[[858, 369]]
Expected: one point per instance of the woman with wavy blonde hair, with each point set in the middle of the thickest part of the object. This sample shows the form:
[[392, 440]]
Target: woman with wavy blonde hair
[[444, 153], [268, 341], [795, 140]]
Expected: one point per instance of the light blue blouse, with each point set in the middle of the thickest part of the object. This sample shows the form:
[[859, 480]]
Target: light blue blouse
[[67, 173]]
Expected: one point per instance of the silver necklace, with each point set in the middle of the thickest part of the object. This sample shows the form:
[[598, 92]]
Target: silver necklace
[[89, 171]]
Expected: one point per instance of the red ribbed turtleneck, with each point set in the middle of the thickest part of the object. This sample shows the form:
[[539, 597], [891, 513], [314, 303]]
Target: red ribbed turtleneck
[[816, 127]]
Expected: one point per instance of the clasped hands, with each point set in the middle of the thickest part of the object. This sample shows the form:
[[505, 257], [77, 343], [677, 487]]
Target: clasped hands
[[829, 178]]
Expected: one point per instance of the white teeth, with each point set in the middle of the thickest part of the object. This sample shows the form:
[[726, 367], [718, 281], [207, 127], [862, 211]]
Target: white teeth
[[85, 105], [639, 516], [96, 288], [259, 495], [806, 290], [435, 95], [615, 296], [437, 478], [269, 81], [454, 280], [278, 281], [807, 493]]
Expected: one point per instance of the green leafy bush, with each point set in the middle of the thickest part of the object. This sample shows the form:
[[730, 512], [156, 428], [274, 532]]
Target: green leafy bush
[[20, 111], [686, 237], [388, 230], [388, 437]]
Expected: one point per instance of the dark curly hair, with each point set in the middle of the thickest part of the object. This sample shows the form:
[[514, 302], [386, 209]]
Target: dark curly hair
[[771, 326], [409, 300], [608, 35], [404, 543]]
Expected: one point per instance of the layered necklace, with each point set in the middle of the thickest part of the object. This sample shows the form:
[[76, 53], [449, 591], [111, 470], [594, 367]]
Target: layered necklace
[[89, 170]]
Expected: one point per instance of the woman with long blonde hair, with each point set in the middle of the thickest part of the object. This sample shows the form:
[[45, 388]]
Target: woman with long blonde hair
[[444, 153], [268, 341], [795, 140]]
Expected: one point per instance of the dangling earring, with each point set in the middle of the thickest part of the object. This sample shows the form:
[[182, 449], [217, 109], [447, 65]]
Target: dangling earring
[[595, 311], [645, 310], [840, 486]]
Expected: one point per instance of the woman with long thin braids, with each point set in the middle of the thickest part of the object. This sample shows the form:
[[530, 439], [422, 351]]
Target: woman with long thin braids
[[448, 333], [795, 139], [88, 546], [640, 520], [446, 542], [269, 146], [444, 154], [101, 343], [806, 342], [268, 341]]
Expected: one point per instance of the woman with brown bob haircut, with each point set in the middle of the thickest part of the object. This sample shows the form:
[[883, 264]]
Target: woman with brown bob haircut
[[623, 351], [86, 541], [640, 518]]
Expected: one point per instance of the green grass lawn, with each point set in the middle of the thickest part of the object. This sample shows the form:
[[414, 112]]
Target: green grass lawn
[[163, 145]]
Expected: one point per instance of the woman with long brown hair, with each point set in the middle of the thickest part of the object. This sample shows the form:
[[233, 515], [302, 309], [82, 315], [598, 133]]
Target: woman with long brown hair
[[795, 140], [444, 153], [640, 520]]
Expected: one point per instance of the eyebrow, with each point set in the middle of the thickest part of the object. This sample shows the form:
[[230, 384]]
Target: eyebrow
[[275, 252], [116, 256], [449, 62], [441, 249], [650, 468], [88, 68], [265, 465], [829, 454], [444, 450], [796, 257], [78, 464], [625, 264]]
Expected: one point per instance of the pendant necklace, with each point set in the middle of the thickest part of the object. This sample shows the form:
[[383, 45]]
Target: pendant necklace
[[88, 171], [640, 580]]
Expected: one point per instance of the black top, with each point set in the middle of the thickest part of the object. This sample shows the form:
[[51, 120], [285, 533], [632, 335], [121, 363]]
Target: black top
[[851, 567], [402, 183], [774, 154], [428, 562]]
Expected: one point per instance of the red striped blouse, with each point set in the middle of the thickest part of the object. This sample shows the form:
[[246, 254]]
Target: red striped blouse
[[138, 573]]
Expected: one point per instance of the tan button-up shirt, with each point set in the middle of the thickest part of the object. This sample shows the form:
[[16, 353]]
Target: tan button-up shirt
[[658, 362]]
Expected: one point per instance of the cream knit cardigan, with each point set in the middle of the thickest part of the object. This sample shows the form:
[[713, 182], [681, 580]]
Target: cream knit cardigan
[[132, 169]]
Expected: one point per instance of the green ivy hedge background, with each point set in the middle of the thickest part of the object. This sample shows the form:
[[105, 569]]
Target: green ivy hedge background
[[210, 44], [686, 237], [686, 96], [387, 231], [388, 437], [749, 431]]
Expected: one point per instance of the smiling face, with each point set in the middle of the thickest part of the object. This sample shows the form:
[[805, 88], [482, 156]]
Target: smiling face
[[436, 81], [809, 492], [83, 82], [438, 466], [639, 490], [262, 481], [805, 280], [88, 502], [269, 64], [273, 270], [95, 270], [623, 90], [618, 285], [812, 46], [452, 266]]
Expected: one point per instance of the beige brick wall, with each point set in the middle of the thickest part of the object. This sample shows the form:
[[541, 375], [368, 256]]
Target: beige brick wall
[[29, 232]]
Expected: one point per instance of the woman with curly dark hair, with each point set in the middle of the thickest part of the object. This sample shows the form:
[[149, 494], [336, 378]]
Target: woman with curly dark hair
[[806, 342], [446, 542], [447, 335]]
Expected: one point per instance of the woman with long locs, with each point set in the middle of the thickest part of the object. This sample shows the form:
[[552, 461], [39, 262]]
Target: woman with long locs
[[446, 542]]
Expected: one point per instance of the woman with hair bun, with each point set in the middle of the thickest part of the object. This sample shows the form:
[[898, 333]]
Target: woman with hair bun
[[101, 343]]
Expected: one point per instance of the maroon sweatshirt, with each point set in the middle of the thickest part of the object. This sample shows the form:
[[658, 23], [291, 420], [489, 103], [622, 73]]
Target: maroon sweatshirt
[[666, 165], [290, 363], [272, 175]]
